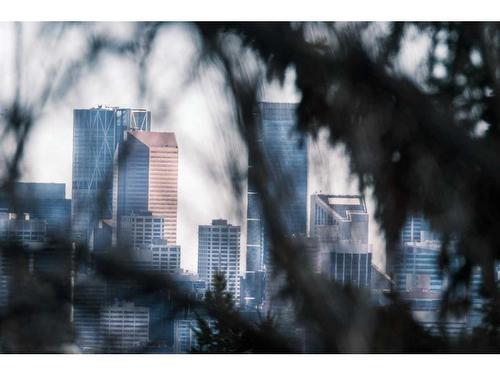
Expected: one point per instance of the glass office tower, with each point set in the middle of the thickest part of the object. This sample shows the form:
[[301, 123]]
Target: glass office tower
[[286, 156], [419, 280], [97, 132]]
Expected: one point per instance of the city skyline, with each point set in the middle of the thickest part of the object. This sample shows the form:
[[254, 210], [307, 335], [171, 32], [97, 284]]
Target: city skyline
[[132, 150], [190, 265], [197, 112]]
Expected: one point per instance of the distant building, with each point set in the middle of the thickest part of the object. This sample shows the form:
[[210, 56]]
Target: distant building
[[97, 133], [23, 230], [339, 223], [381, 285], [219, 252], [24, 251], [141, 229], [191, 284], [285, 154], [157, 257], [342, 217], [43, 201], [27, 235], [143, 235], [184, 335], [420, 282], [148, 178], [102, 235], [252, 286], [185, 338], [417, 229], [117, 328], [476, 312]]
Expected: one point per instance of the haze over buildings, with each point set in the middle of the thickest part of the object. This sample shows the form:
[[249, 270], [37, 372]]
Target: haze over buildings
[[198, 113]]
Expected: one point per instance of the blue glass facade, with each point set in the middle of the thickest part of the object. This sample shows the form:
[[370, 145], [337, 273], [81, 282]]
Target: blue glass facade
[[412, 230], [97, 132], [45, 201], [417, 268], [286, 156]]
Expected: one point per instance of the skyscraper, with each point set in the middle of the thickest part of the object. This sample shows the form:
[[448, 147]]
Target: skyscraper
[[418, 278], [417, 229], [219, 252], [148, 178], [97, 132], [419, 281], [286, 156], [340, 225]]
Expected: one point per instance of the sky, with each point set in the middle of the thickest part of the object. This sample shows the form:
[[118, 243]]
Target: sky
[[197, 112]]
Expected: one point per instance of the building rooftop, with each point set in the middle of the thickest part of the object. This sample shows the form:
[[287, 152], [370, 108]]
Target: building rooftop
[[277, 111], [110, 108], [344, 205], [155, 139], [220, 222]]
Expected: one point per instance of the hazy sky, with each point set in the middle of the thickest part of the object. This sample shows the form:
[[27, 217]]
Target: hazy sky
[[197, 112]]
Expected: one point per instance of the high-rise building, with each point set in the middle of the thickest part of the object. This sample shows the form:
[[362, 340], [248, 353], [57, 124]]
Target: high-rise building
[[252, 285], [185, 338], [340, 225], [191, 285], [285, 153], [417, 229], [141, 229], [24, 251], [419, 281], [27, 235], [184, 334], [44, 201], [342, 216], [97, 132], [219, 252], [144, 236], [25, 231], [157, 257], [475, 314], [148, 178], [117, 328]]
